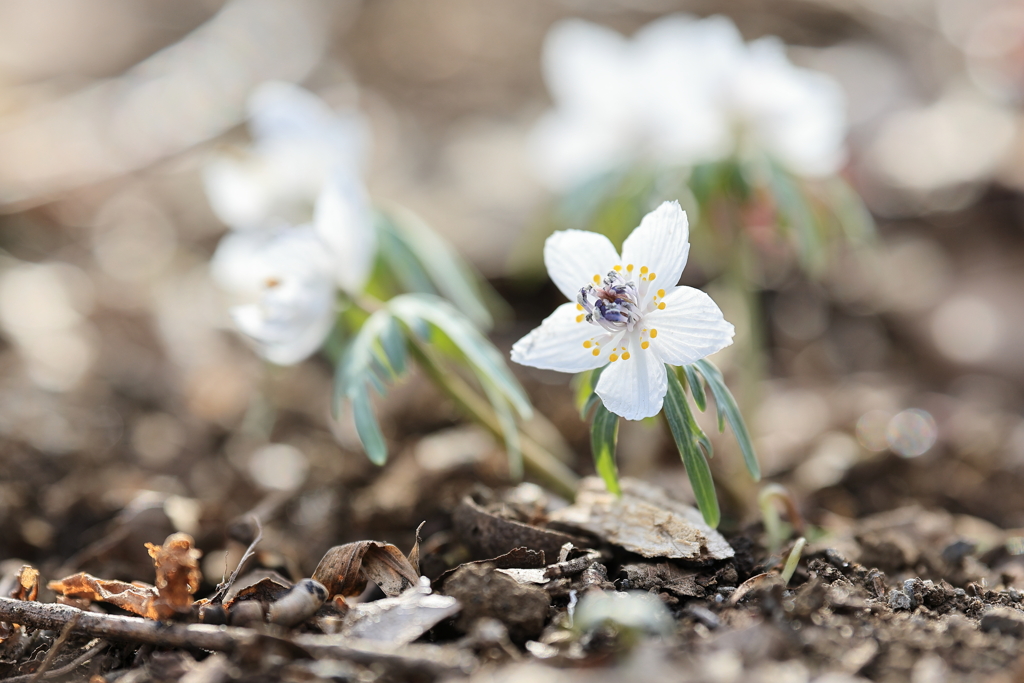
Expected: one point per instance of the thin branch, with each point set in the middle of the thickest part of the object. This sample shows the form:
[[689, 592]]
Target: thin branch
[[436, 659], [55, 648], [67, 668]]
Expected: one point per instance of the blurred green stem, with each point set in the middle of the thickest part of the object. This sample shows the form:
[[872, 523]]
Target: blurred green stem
[[537, 459]]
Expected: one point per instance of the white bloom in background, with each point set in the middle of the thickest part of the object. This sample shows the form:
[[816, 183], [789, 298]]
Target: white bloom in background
[[298, 143], [626, 311], [680, 92], [286, 280]]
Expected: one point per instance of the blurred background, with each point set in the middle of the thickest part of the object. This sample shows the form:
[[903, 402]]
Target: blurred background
[[129, 408]]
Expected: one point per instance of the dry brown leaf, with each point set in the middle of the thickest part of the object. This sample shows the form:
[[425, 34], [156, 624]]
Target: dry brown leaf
[[345, 569], [28, 584], [135, 597], [177, 574]]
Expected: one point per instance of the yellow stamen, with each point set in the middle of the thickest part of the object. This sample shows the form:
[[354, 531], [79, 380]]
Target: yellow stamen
[[661, 294], [596, 352], [618, 269], [597, 279], [644, 345], [630, 267], [579, 307], [580, 318], [661, 306], [644, 270], [651, 277], [614, 357], [587, 344], [625, 356], [654, 333], [272, 282]]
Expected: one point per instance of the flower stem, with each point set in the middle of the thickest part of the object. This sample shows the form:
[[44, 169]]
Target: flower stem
[[537, 459]]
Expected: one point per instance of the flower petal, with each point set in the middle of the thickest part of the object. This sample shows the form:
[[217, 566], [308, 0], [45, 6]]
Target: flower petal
[[690, 327], [344, 221], [660, 243], [634, 388], [574, 257], [558, 343], [239, 190]]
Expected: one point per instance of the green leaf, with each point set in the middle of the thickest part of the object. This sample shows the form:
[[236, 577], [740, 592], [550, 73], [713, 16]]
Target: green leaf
[[604, 434], [375, 354], [797, 215], [681, 422], [727, 408], [509, 431], [700, 399], [586, 383], [450, 275], [853, 216], [485, 360], [401, 261], [392, 342], [367, 427]]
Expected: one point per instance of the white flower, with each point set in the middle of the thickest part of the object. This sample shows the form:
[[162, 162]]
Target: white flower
[[680, 92], [626, 311], [298, 143], [286, 279]]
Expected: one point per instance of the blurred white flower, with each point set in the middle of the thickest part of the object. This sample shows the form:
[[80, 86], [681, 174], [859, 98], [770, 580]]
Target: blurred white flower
[[298, 143], [681, 91], [301, 169], [623, 318], [287, 283]]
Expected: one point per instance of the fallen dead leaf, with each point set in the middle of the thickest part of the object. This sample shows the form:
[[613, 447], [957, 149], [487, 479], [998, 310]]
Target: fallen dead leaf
[[135, 597], [345, 569], [644, 520], [27, 587], [491, 535], [177, 574]]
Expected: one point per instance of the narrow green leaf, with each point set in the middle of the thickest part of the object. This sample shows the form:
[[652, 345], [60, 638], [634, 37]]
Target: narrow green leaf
[[367, 427], [401, 260], [700, 399], [589, 405], [415, 309], [392, 341], [798, 216], [509, 431], [854, 218], [604, 434], [727, 407], [586, 383], [452, 277], [680, 421]]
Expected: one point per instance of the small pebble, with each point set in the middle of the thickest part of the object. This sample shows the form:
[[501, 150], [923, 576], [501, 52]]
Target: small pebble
[[898, 600]]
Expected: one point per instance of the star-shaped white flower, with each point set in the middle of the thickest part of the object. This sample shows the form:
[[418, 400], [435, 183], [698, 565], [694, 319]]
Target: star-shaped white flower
[[285, 281], [626, 311], [681, 91]]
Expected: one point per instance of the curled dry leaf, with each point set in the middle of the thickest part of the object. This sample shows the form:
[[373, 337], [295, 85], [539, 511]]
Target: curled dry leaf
[[27, 587], [345, 569], [177, 578], [136, 597], [177, 574]]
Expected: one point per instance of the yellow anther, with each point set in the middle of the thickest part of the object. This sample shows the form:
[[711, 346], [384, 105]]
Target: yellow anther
[[597, 279], [630, 267], [651, 277], [644, 345], [618, 269], [596, 352], [614, 357], [625, 356], [587, 344], [661, 307], [579, 307], [661, 294], [580, 318], [644, 270], [654, 333]]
